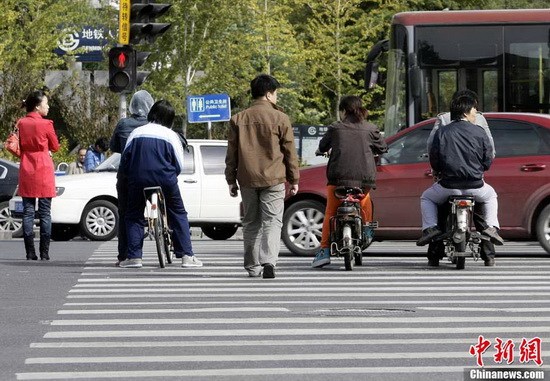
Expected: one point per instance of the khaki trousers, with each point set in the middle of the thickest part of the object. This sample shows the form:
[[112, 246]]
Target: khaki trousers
[[262, 223]]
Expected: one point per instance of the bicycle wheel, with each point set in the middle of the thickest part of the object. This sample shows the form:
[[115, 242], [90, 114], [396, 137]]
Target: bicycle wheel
[[167, 242], [158, 227]]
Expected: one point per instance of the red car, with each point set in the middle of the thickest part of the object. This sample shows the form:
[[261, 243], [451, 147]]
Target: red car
[[520, 175]]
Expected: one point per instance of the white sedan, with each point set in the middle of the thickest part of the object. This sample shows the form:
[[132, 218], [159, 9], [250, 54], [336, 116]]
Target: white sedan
[[87, 203]]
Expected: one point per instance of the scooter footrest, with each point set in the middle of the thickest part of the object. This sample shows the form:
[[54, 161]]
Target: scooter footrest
[[372, 224]]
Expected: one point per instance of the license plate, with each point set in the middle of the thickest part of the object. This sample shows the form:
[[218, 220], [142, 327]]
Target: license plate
[[16, 206]]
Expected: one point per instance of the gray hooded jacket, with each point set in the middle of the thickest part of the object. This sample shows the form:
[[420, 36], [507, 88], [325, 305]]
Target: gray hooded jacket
[[140, 104]]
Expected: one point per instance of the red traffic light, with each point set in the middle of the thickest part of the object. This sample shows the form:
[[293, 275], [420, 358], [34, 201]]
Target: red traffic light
[[121, 60], [122, 69]]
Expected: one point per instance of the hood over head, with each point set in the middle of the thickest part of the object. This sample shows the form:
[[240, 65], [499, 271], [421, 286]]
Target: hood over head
[[141, 103]]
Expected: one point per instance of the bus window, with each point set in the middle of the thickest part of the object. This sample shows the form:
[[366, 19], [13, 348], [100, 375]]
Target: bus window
[[489, 100], [454, 58], [447, 87], [528, 68]]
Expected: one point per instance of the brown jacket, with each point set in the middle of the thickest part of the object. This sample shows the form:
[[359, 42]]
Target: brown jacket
[[353, 146], [260, 147]]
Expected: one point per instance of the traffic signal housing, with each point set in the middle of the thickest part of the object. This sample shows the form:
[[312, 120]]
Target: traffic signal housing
[[141, 57], [142, 21], [122, 69]]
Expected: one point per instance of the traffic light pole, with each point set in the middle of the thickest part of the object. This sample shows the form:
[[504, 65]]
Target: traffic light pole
[[122, 106]]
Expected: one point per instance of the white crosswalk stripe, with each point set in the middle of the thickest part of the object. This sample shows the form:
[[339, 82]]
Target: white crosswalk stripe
[[392, 318]]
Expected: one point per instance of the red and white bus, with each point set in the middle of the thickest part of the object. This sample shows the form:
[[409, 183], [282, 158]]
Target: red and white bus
[[503, 55]]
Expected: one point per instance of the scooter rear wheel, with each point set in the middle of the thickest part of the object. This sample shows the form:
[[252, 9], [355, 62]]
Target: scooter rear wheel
[[460, 261], [358, 259]]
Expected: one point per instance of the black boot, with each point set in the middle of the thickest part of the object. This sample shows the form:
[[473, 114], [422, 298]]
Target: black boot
[[29, 248], [44, 247]]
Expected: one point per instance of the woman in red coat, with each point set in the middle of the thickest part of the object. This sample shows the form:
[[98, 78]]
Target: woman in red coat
[[36, 172]]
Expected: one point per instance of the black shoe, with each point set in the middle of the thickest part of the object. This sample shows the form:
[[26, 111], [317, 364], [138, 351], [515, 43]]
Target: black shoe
[[29, 248], [490, 261], [44, 247], [427, 235], [492, 233], [432, 262], [269, 271]]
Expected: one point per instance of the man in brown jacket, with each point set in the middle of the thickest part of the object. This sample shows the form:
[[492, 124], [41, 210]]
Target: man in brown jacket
[[261, 157]]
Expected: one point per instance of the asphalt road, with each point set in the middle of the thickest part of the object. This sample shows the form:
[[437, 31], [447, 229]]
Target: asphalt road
[[32, 293], [78, 316]]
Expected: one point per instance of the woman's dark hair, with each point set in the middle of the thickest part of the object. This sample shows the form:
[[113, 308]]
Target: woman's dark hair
[[33, 100], [353, 106], [263, 84], [462, 105], [162, 113]]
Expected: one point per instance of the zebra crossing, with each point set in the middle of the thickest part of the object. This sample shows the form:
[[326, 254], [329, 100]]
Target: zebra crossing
[[391, 319]]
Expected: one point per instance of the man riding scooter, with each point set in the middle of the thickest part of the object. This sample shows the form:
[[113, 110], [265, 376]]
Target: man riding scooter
[[435, 249], [460, 153]]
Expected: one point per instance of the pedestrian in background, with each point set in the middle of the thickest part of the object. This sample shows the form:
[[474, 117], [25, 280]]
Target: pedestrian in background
[[77, 166], [140, 105], [95, 154], [261, 157], [36, 171], [153, 156]]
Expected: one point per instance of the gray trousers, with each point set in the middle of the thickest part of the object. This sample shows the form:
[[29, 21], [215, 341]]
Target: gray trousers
[[437, 195], [262, 223]]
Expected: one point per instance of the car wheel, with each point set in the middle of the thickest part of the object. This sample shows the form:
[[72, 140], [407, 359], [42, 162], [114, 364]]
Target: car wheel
[[64, 232], [302, 225], [219, 232], [543, 228], [99, 221], [8, 223]]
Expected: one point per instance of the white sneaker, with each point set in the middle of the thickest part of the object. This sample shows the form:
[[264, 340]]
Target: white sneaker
[[134, 263], [190, 261]]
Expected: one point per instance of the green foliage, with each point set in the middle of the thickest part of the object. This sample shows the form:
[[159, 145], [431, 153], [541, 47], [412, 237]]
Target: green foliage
[[63, 155], [28, 36]]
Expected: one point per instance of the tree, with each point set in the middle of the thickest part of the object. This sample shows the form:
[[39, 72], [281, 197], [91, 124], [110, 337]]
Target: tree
[[28, 36]]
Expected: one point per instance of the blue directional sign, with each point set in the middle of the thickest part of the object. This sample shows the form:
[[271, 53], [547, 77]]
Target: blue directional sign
[[208, 108], [86, 43]]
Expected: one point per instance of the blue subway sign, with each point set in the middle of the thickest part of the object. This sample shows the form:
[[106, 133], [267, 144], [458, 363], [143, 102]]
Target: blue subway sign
[[208, 108]]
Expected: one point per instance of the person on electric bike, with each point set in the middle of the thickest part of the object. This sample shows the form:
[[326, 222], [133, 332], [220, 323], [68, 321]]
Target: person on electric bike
[[487, 247], [352, 143], [460, 153]]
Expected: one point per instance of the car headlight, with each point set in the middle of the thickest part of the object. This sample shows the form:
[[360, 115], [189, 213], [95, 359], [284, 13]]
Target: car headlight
[[59, 191]]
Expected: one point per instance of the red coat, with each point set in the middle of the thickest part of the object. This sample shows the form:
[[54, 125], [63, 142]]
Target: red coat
[[36, 171]]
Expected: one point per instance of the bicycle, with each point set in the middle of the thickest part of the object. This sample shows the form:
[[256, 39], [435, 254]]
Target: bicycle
[[157, 224]]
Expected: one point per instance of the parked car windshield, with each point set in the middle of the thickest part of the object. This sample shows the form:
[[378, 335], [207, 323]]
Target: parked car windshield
[[110, 164]]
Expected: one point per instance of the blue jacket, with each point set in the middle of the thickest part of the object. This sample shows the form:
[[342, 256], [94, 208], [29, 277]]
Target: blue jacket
[[92, 159], [153, 156]]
